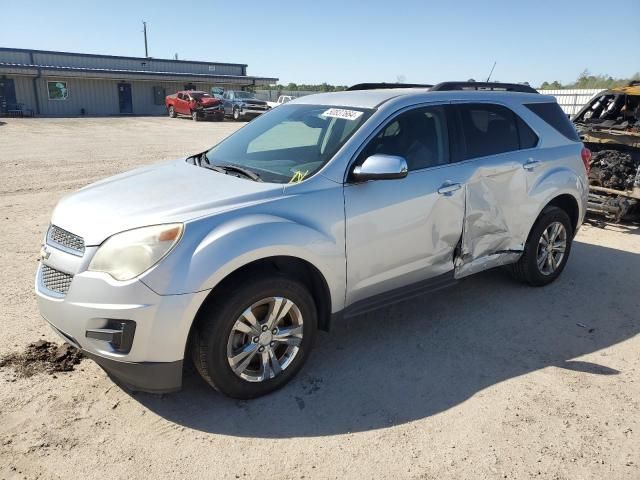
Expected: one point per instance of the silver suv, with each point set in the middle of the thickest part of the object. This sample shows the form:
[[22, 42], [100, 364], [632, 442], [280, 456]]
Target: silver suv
[[326, 207]]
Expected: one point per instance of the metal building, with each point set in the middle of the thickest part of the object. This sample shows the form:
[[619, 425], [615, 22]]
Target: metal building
[[51, 83]]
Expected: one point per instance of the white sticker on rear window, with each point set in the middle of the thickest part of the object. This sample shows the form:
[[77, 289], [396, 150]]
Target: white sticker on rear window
[[342, 113]]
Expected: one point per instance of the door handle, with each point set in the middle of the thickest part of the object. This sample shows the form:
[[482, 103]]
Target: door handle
[[531, 164], [449, 188]]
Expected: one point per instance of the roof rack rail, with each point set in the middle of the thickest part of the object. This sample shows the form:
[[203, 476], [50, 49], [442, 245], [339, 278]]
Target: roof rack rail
[[383, 85], [505, 87]]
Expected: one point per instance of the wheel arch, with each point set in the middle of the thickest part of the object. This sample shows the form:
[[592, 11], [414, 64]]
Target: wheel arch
[[295, 267], [569, 204]]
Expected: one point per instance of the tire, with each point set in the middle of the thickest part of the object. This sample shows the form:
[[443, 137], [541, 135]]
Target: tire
[[528, 268], [216, 342], [194, 116], [172, 112], [236, 114]]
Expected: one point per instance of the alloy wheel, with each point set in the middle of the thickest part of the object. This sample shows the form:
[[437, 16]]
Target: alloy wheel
[[265, 339], [551, 248]]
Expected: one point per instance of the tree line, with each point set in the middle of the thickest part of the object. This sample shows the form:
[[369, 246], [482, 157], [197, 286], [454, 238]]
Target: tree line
[[585, 80], [588, 80], [302, 87]]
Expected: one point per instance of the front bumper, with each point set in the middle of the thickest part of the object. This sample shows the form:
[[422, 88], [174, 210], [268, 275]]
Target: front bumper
[[212, 112], [94, 301], [151, 377], [249, 112]]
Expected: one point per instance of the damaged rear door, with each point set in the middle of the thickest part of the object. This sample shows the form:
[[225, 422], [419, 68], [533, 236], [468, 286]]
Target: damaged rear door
[[496, 150]]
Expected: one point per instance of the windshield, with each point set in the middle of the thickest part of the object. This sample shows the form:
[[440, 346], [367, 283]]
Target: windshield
[[198, 96], [244, 95], [291, 142]]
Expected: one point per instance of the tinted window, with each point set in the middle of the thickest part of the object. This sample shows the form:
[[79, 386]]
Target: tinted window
[[554, 116], [420, 136], [488, 130], [528, 138]]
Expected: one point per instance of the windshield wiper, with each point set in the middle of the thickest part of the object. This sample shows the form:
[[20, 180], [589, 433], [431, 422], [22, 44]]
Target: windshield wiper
[[204, 162]]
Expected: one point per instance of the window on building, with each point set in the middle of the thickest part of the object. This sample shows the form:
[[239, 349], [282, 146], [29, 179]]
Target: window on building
[[419, 136], [57, 90], [159, 94]]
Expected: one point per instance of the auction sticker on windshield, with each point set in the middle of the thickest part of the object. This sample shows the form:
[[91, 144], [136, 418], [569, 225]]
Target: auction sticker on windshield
[[342, 113]]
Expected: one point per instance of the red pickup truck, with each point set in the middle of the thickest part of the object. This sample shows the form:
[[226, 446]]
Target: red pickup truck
[[198, 105]]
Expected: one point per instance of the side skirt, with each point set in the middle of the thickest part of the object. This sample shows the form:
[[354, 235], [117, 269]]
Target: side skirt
[[395, 296]]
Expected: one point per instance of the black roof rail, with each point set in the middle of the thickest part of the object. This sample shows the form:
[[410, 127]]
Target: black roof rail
[[505, 87], [383, 85], [634, 83]]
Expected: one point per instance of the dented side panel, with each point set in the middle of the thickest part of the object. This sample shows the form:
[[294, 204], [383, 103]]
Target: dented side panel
[[495, 228], [504, 199]]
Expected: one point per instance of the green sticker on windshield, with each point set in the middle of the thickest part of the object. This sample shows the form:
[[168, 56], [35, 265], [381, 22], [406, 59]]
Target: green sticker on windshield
[[298, 176]]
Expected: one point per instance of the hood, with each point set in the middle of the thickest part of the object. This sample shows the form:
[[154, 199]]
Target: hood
[[209, 101], [252, 101], [173, 192]]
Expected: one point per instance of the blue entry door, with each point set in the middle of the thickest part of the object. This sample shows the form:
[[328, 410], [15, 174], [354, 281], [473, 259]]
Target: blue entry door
[[124, 96]]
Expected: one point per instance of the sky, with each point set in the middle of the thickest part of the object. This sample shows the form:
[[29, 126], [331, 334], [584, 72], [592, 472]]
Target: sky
[[344, 42]]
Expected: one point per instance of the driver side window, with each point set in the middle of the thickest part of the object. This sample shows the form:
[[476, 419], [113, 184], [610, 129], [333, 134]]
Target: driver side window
[[419, 136]]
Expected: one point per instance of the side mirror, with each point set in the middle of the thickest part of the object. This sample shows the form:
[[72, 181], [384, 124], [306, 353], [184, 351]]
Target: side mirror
[[381, 167]]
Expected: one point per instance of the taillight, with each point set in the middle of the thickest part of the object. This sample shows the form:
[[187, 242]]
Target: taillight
[[586, 158]]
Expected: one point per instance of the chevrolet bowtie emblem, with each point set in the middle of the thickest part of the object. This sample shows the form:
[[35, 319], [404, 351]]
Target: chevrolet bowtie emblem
[[44, 253]]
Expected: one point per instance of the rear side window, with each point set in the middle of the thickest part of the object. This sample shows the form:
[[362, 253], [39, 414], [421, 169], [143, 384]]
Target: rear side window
[[488, 130], [552, 114], [528, 138]]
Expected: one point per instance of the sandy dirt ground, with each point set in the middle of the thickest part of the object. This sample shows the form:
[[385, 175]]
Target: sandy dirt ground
[[489, 379]]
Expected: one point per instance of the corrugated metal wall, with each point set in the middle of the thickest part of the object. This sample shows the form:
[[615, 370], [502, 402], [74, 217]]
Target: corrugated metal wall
[[572, 101], [97, 97]]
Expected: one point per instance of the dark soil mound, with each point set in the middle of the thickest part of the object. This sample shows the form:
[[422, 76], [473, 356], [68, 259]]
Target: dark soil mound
[[43, 356]]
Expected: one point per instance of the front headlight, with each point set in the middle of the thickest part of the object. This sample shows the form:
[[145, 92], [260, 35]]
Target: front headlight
[[128, 254]]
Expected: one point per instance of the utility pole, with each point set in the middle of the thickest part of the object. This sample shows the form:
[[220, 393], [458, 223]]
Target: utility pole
[[144, 30]]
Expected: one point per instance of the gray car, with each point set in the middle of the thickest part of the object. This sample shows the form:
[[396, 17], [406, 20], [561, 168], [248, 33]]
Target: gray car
[[326, 207]]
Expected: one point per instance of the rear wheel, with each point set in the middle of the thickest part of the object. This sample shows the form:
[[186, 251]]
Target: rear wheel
[[256, 337], [195, 116], [236, 114], [547, 249], [172, 112]]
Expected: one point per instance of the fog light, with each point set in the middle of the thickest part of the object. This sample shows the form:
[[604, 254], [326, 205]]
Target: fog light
[[119, 334]]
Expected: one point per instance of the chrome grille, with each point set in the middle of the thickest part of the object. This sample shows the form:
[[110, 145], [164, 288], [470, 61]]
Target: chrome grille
[[67, 240], [55, 280]]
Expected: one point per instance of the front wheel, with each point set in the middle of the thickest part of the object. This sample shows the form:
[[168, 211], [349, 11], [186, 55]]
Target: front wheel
[[236, 114], [252, 340], [547, 249], [195, 116], [172, 112]]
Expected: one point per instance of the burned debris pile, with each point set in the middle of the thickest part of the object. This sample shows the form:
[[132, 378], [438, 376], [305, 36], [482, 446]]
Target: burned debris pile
[[614, 169]]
